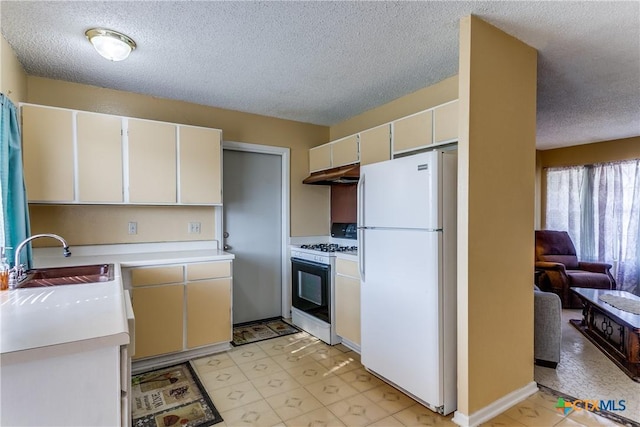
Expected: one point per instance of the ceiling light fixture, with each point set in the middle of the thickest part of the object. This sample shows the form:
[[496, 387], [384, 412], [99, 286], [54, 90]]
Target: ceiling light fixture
[[112, 45]]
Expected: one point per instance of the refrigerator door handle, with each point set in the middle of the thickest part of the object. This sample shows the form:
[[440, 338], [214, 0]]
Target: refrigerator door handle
[[361, 253], [360, 200], [360, 221]]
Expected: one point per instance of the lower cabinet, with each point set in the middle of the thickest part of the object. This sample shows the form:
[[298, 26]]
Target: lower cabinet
[[208, 304], [348, 301], [159, 320], [181, 307]]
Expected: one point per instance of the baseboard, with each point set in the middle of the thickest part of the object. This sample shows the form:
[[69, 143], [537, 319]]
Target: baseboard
[[351, 345], [152, 363], [496, 408]]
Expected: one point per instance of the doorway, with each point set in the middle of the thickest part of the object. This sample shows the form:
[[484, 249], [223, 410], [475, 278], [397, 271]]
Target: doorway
[[255, 226]]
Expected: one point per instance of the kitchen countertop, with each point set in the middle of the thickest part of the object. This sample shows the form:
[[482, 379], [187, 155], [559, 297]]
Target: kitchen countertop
[[33, 320]]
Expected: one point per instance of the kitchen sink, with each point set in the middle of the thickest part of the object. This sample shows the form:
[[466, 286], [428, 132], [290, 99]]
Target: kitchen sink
[[76, 275]]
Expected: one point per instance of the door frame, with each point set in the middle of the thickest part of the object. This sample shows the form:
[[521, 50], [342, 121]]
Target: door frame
[[284, 154]]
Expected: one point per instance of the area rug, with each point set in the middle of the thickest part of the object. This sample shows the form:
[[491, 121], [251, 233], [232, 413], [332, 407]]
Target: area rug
[[567, 404], [246, 333], [171, 396], [586, 373]]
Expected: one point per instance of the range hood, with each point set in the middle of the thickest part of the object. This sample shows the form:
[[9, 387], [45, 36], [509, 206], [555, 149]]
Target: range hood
[[342, 175]]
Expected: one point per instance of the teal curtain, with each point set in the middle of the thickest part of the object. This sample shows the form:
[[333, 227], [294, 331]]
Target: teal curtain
[[15, 212]]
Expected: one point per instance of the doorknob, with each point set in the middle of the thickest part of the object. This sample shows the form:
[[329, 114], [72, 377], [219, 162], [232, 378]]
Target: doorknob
[[225, 234]]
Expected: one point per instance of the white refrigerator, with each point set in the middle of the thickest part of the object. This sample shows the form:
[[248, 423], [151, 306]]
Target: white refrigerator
[[407, 249]]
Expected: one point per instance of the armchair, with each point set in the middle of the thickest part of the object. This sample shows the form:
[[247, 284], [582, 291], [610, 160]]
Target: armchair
[[560, 269]]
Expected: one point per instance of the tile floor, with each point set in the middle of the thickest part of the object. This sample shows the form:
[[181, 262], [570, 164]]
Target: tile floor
[[298, 380]]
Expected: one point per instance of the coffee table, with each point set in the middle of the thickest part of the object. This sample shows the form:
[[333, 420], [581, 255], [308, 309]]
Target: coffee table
[[615, 332]]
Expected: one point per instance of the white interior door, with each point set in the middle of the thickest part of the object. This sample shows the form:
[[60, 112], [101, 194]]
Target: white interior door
[[252, 216]]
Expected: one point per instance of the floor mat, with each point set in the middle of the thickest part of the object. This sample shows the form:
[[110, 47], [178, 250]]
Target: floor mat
[[246, 333], [171, 396]]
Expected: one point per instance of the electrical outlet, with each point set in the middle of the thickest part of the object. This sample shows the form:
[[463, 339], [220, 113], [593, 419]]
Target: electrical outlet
[[133, 227], [194, 228]]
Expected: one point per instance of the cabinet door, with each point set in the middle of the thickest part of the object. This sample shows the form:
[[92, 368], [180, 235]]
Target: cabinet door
[[159, 319], [348, 308], [152, 162], [375, 145], [413, 132], [99, 158], [320, 158], [445, 122], [47, 137], [345, 151], [208, 312], [200, 165]]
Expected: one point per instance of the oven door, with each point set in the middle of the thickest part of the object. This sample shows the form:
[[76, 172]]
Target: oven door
[[311, 288]]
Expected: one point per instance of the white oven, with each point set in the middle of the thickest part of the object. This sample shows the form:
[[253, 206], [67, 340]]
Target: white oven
[[312, 294]]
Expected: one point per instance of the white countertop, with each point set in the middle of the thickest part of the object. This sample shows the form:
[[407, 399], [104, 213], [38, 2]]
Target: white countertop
[[33, 320]]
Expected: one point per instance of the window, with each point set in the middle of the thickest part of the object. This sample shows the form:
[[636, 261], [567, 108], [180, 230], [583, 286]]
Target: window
[[599, 206]]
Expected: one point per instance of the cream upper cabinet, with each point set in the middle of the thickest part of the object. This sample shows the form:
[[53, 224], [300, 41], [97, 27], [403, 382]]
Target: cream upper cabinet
[[413, 132], [200, 165], [152, 162], [345, 151], [99, 140], [48, 153], [445, 122], [320, 158], [375, 145], [347, 290], [84, 157], [341, 152]]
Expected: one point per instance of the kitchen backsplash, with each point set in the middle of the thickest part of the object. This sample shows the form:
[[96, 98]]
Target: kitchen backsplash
[[344, 203], [96, 225]]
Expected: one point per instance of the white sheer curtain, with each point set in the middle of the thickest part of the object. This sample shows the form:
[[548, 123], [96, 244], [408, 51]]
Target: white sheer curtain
[[599, 206]]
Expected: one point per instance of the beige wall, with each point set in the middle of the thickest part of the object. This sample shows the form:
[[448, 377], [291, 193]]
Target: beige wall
[[91, 224], [13, 79], [497, 92], [430, 96], [310, 205], [607, 151]]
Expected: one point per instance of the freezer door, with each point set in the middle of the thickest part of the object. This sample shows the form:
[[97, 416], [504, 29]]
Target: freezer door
[[401, 193], [401, 310]]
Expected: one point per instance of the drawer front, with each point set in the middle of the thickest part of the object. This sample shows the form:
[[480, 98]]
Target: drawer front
[[156, 275], [347, 268], [208, 270]]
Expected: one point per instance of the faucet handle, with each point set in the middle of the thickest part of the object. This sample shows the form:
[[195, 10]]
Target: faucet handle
[[13, 281]]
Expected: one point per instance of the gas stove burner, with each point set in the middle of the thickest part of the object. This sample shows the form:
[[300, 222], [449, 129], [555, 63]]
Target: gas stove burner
[[329, 247]]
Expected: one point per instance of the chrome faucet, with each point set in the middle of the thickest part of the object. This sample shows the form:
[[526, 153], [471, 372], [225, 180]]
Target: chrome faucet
[[16, 274]]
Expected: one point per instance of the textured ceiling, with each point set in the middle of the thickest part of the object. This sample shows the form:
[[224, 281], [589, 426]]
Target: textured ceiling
[[324, 62]]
